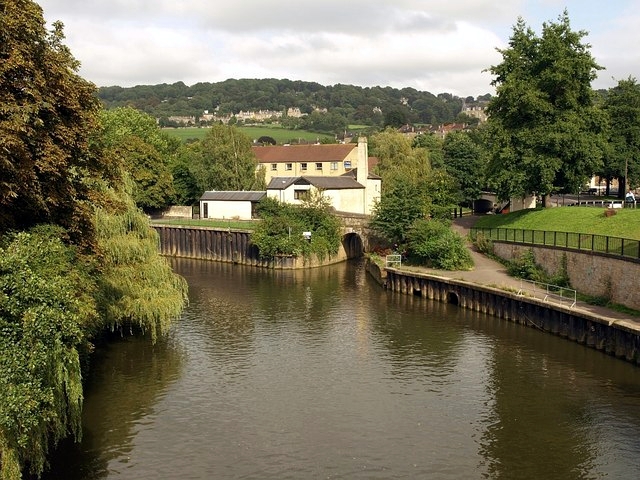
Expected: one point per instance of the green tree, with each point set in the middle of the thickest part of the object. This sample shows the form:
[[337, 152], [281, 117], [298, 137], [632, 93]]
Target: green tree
[[434, 147], [463, 160], [133, 139], [397, 159], [224, 160], [401, 203], [546, 133], [46, 308], [46, 114], [281, 231], [622, 105]]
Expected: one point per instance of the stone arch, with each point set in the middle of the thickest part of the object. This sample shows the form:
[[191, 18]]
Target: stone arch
[[452, 298], [353, 245]]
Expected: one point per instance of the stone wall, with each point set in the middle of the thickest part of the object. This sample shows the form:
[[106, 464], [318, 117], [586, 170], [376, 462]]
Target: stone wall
[[592, 274], [579, 326]]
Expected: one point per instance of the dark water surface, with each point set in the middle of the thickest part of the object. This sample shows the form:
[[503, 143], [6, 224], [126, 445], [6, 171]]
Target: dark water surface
[[322, 374]]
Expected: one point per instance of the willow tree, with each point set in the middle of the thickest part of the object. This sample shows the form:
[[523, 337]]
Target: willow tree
[[546, 134], [46, 309], [136, 286]]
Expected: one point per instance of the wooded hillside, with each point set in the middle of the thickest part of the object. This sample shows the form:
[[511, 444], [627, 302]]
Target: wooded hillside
[[363, 105]]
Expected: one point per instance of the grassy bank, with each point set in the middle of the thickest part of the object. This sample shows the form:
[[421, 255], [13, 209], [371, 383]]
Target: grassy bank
[[623, 223]]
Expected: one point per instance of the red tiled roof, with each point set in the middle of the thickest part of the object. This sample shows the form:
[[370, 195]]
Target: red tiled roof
[[303, 153]]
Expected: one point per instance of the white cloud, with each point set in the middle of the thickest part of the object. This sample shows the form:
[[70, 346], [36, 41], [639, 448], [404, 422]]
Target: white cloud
[[425, 44]]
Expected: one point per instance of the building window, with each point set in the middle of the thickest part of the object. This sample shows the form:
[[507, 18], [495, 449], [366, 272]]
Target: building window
[[300, 194], [334, 165], [288, 166], [303, 167], [347, 164], [319, 166], [274, 167]]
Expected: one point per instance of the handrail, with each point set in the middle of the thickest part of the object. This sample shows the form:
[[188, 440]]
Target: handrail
[[549, 292], [393, 260], [618, 246]]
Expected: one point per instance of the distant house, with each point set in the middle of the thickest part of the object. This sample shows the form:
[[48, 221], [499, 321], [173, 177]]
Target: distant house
[[229, 205], [354, 190]]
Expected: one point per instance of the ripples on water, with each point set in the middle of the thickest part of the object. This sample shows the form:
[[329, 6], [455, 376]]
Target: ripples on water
[[322, 374]]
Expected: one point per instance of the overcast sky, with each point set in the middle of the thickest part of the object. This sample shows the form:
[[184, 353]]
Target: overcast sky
[[432, 45]]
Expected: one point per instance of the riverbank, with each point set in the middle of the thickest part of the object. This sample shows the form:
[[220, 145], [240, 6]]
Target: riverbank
[[488, 288]]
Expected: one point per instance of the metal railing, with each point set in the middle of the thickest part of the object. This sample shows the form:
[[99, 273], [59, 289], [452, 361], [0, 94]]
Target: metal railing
[[393, 260], [623, 247], [548, 292]]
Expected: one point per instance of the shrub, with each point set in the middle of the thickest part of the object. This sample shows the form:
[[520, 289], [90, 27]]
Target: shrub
[[433, 243]]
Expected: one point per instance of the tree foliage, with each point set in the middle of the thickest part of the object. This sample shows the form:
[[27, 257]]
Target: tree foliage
[[57, 172], [46, 308], [464, 161], [281, 231], [349, 103], [433, 243], [46, 114], [136, 286], [224, 160], [546, 133], [133, 140], [622, 105]]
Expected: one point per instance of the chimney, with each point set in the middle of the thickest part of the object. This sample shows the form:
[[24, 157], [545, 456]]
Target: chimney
[[363, 162]]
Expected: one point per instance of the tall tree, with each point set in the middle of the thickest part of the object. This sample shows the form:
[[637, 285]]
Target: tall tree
[[46, 114], [133, 140], [464, 161], [547, 135], [223, 160], [622, 105]]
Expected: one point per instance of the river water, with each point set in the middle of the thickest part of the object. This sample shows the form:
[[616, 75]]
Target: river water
[[322, 374]]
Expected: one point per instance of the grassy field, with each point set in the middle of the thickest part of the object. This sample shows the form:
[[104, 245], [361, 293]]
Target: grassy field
[[279, 134], [624, 223]]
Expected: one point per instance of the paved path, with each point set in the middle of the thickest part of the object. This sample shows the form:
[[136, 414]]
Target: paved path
[[492, 273]]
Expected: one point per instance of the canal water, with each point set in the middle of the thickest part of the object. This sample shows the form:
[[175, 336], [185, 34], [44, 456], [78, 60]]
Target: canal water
[[322, 374]]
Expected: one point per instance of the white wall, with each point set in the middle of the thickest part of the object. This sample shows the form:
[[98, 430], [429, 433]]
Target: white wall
[[227, 209]]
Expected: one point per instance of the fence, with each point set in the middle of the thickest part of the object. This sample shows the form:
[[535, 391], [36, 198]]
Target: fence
[[393, 260], [623, 247], [548, 292]]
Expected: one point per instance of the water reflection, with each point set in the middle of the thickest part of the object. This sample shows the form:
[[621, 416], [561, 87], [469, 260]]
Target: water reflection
[[323, 374]]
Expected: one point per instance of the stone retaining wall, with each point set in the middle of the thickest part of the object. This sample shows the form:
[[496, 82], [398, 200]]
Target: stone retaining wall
[[593, 274]]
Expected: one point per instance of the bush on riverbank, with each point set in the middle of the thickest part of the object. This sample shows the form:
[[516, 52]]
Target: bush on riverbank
[[433, 243], [282, 231]]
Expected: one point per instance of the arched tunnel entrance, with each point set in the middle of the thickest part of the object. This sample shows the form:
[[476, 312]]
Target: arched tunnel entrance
[[353, 245]]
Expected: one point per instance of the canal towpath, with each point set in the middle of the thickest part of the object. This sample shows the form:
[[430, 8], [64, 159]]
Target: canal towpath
[[491, 273]]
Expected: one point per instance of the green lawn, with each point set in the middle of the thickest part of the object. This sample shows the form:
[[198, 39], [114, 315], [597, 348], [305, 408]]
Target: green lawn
[[624, 223], [279, 134]]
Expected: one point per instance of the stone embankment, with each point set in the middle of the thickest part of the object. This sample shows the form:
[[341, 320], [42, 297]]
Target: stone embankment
[[489, 289]]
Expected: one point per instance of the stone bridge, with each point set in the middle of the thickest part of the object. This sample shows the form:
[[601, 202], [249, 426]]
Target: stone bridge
[[357, 237]]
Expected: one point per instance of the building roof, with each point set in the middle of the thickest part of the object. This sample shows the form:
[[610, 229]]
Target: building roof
[[326, 183], [233, 196], [303, 153], [354, 173]]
